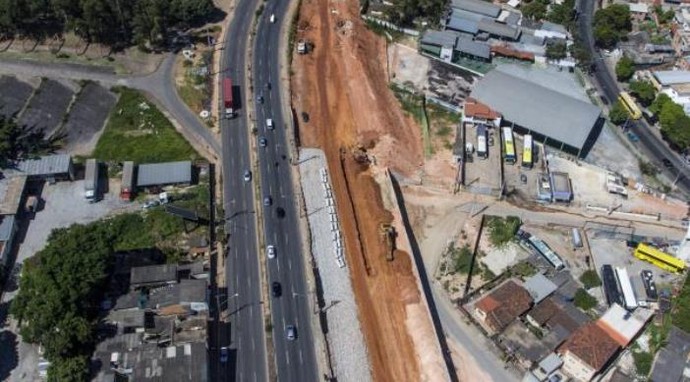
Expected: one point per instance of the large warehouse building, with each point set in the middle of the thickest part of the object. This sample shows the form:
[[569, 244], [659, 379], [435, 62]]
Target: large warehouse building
[[554, 118]]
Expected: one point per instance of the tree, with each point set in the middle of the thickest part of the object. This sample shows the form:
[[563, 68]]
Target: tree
[[584, 300], [617, 114], [556, 50], [590, 279], [73, 369], [581, 53], [535, 10], [405, 12], [625, 68], [611, 24], [563, 13], [644, 91]]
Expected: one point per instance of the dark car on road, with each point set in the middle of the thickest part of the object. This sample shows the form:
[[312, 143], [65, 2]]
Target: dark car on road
[[263, 142], [224, 354], [667, 163], [276, 289]]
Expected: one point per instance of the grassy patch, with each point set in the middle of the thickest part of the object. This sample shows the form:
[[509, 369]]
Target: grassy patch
[[590, 279], [139, 132], [681, 308], [658, 333], [383, 31], [524, 269], [461, 258], [643, 363], [292, 34], [584, 300], [437, 112], [410, 102], [193, 97], [157, 228], [502, 230]]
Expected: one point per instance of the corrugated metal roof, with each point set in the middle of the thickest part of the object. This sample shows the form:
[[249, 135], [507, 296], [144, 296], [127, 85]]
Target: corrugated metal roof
[[537, 108], [497, 29], [539, 287], [440, 38], [46, 165], [128, 175], [154, 174], [477, 49], [477, 6], [672, 77], [462, 24], [553, 27]]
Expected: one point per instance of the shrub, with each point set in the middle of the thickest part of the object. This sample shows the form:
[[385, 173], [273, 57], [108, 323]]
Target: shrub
[[584, 300], [590, 279]]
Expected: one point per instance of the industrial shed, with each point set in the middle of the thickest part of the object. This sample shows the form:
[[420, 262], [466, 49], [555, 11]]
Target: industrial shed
[[163, 174], [552, 117], [51, 168]]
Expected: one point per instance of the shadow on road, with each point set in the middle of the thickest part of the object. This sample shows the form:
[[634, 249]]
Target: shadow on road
[[8, 353]]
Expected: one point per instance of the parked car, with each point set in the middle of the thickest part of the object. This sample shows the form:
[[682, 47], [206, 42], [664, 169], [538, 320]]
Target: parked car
[[305, 117], [633, 137], [151, 204]]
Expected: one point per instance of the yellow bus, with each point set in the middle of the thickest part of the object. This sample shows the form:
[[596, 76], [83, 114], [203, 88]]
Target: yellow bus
[[659, 258], [527, 160], [630, 106]]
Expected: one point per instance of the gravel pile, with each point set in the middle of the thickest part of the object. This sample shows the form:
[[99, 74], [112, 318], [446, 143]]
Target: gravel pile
[[349, 353]]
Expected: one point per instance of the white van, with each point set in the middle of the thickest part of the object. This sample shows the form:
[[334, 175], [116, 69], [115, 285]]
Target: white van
[[269, 123], [273, 17]]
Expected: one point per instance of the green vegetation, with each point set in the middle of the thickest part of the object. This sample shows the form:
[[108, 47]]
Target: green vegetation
[[643, 362], [556, 50], [584, 300], [191, 95], [590, 279], [580, 53], [625, 68], [617, 114], [461, 258], [647, 168], [675, 125], [502, 230], [611, 24], [535, 9], [407, 12], [411, 102], [292, 33], [148, 134], [658, 333], [644, 91], [524, 269], [680, 315], [19, 143], [117, 24], [563, 14], [664, 17]]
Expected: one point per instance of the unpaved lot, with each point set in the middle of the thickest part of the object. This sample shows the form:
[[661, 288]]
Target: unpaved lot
[[342, 85]]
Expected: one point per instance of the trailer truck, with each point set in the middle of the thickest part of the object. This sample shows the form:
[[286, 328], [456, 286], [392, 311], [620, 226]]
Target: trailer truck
[[91, 181], [227, 98]]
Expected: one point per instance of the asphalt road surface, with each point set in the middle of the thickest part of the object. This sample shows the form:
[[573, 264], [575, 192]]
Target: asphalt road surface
[[246, 337], [655, 148], [295, 359]]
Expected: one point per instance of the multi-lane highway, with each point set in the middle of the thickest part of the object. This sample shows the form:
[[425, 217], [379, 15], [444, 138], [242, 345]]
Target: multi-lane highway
[[246, 337], [655, 149], [295, 359]]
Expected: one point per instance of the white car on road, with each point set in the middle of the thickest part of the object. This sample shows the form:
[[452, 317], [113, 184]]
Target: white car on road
[[269, 123], [271, 251]]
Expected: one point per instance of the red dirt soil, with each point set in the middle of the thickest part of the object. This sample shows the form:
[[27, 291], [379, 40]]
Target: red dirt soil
[[343, 86]]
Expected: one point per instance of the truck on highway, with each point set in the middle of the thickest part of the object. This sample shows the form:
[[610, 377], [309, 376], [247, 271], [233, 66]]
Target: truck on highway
[[91, 180], [227, 98]]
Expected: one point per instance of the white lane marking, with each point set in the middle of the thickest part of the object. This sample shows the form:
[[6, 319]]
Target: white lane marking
[[289, 264], [287, 357], [278, 263], [301, 358]]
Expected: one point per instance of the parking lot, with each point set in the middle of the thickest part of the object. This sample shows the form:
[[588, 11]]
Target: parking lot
[[47, 107], [87, 118], [13, 95], [62, 205], [483, 175]]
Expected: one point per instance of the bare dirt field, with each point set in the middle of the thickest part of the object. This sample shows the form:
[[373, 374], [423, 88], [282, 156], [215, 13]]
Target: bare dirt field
[[342, 85]]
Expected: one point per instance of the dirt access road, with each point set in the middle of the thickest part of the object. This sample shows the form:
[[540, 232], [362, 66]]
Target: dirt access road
[[343, 86]]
